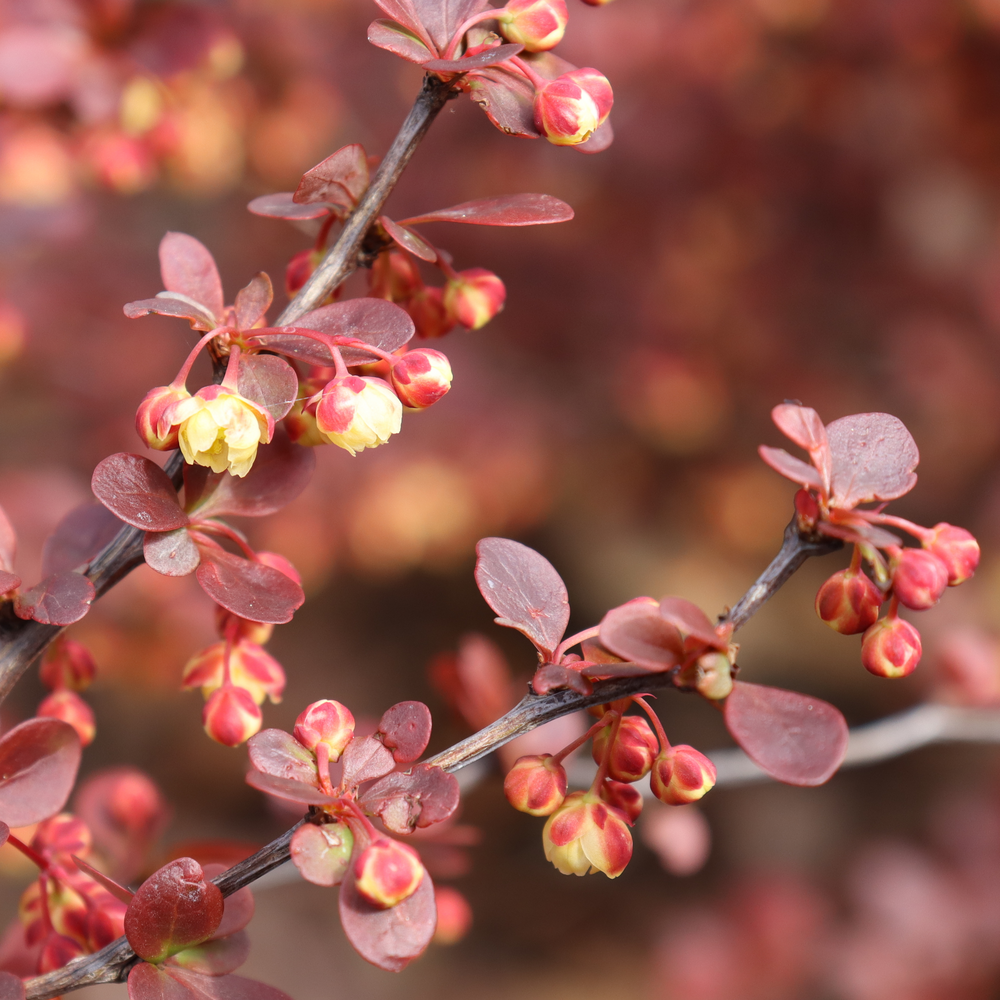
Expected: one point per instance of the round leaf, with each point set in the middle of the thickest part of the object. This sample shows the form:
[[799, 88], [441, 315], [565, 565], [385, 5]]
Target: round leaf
[[172, 553], [60, 599], [139, 492], [874, 456], [406, 730], [251, 590], [639, 633]]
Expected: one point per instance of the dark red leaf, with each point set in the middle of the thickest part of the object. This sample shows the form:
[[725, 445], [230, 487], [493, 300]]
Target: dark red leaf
[[341, 179], [322, 854], [504, 210], [60, 599], [395, 38], [269, 382], [172, 553], [38, 765], [78, 537], [139, 492], [273, 751], [420, 797], [874, 457], [795, 738], [289, 789], [488, 57], [168, 305], [599, 141], [249, 589], [506, 97], [639, 633], [554, 677], [187, 267], [8, 542], [408, 240], [252, 301], [441, 18], [690, 620], [803, 426], [404, 12], [603, 671], [217, 957], [791, 467], [406, 730], [151, 982], [391, 938], [8, 581], [118, 891], [524, 589], [11, 986], [366, 758], [281, 206]]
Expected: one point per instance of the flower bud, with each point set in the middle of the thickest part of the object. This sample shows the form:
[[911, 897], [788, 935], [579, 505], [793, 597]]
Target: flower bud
[[326, 722], [891, 648], [849, 602], [535, 785], [957, 549], [231, 716], [597, 85], [426, 309], [250, 668], [387, 872], [565, 113], [357, 413], [67, 664], [69, 707], [150, 413], [394, 276], [421, 377], [538, 25], [585, 835], [624, 797], [454, 915], [714, 678], [62, 834], [474, 297], [300, 269], [681, 775], [918, 578], [633, 751], [256, 632]]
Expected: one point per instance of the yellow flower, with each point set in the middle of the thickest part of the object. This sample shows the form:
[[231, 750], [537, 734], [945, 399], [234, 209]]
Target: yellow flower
[[357, 413]]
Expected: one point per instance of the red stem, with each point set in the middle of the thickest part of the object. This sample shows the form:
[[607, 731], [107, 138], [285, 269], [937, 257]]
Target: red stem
[[602, 771], [600, 724], [28, 852], [182, 375], [587, 633], [655, 719]]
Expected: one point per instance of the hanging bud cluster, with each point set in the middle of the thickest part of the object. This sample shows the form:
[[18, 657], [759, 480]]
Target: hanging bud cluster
[[67, 669]]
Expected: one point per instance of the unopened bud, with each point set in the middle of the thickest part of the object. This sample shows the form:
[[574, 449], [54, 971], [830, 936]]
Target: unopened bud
[[918, 578], [394, 276], [421, 377], [849, 602], [326, 722], [454, 915], [633, 751], [714, 678], [250, 668], [387, 872], [569, 109], [891, 648], [585, 835], [957, 549], [538, 25], [69, 707], [624, 797], [473, 297], [149, 415], [257, 632], [231, 716], [300, 269], [681, 775], [426, 309], [357, 413], [597, 85], [536, 785], [67, 664], [63, 834]]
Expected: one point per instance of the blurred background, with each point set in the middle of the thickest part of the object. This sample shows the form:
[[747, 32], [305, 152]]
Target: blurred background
[[802, 202]]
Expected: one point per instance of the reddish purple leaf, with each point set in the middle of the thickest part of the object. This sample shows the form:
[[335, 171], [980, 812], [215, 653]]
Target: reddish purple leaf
[[874, 457], [269, 382], [604, 671], [391, 938], [341, 179], [555, 677], [791, 467], [690, 620], [395, 38], [406, 730], [289, 789], [442, 18], [8, 542], [11, 986], [60, 599], [273, 751], [506, 97], [795, 738], [504, 210], [405, 800], [38, 765], [252, 301], [169, 305], [408, 240], [187, 267], [78, 537], [217, 957], [249, 589], [120, 893], [405, 13], [281, 206], [488, 57], [599, 141], [151, 982], [803, 426], [8, 581], [639, 633], [322, 854], [172, 553], [139, 492], [364, 759], [525, 591]]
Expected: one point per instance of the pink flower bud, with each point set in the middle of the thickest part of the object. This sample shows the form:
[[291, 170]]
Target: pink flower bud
[[326, 722], [565, 113], [64, 834], [421, 377], [387, 872], [454, 915], [357, 413], [300, 269], [957, 549], [918, 578], [633, 752], [535, 785], [231, 716], [250, 668], [394, 276], [624, 797], [681, 775], [538, 25], [474, 297], [67, 664], [849, 602], [585, 835], [426, 309], [150, 414], [597, 85], [891, 648], [70, 707], [714, 676]]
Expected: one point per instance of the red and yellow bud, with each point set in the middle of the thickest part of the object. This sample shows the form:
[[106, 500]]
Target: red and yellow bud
[[149, 416], [300, 269], [63, 834], [250, 668], [891, 648], [67, 911], [426, 309], [454, 915], [714, 676], [67, 664], [394, 276], [538, 25], [536, 785], [473, 297], [957, 549], [919, 578], [569, 109], [69, 707], [231, 716], [327, 722], [357, 413], [585, 835], [387, 872], [598, 86], [633, 751], [849, 602], [681, 775], [257, 632], [421, 377], [624, 797]]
